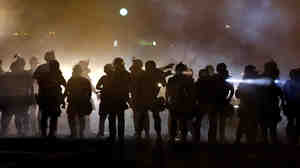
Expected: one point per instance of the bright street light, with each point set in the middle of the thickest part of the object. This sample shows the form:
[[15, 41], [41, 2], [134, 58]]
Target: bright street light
[[123, 11]]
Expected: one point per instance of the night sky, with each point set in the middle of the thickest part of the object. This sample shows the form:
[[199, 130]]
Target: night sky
[[197, 32]]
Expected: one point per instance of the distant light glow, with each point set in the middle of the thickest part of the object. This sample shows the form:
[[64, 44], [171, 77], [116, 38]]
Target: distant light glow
[[154, 43], [16, 34], [236, 106], [159, 85], [123, 12], [254, 81], [116, 43], [233, 80], [148, 43], [51, 33], [227, 26]]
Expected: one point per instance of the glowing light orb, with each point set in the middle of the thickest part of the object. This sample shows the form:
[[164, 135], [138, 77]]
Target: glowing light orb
[[123, 12], [227, 26], [159, 85], [154, 43], [236, 106]]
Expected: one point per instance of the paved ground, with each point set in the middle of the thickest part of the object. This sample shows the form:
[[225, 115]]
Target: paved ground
[[35, 152]]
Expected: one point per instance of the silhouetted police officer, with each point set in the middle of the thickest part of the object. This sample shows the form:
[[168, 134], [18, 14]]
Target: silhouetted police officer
[[79, 93], [291, 90], [85, 73], [105, 86], [223, 92], [136, 73], [50, 97], [204, 99], [181, 99], [272, 94], [16, 97], [120, 95], [149, 84], [250, 104]]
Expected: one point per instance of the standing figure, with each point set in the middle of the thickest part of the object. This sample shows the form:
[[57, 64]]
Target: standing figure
[[50, 96], [85, 73], [16, 97], [291, 90], [79, 93], [223, 92], [136, 71], [120, 96], [271, 96], [148, 85], [204, 99], [104, 85], [181, 100], [249, 95]]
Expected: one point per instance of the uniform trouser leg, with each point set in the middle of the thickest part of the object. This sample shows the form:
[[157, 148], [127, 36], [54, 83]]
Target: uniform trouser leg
[[222, 126], [197, 128], [102, 119], [157, 123], [39, 118], [173, 128], [44, 123], [183, 128], [140, 116], [213, 123], [290, 129], [5, 120], [273, 132], [142, 121], [21, 121], [251, 131], [121, 125], [82, 125], [72, 125], [264, 128], [53, 125], [240, 130], [112, 125], [146, 124]]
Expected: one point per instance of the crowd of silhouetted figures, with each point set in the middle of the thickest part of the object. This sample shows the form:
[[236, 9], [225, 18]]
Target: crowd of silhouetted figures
[[36, 98]]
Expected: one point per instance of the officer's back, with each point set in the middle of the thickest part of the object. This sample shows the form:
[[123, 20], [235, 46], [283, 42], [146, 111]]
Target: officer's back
[[79, 89], [121, 81]]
